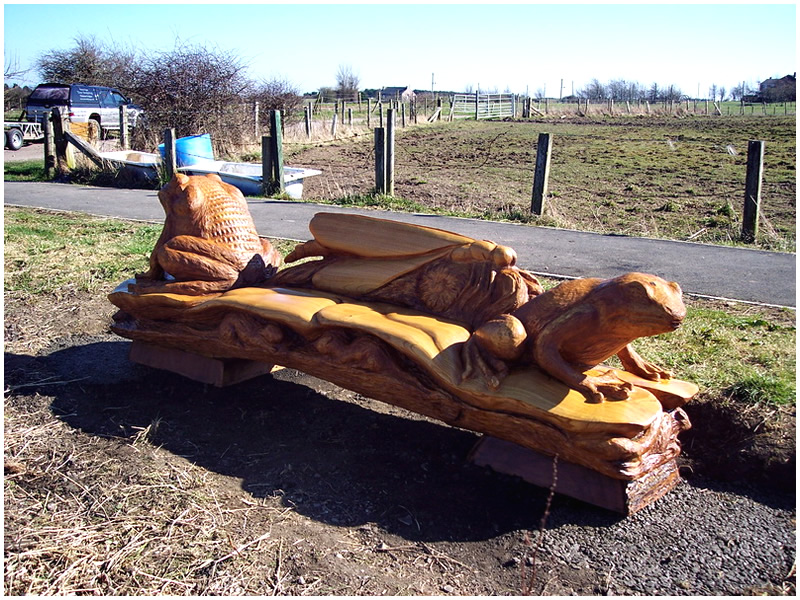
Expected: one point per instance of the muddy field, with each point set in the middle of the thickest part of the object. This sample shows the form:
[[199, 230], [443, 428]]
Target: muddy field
[[677, 178]]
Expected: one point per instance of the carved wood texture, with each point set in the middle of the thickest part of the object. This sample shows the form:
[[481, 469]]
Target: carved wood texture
[[357, 346], [425, 319]]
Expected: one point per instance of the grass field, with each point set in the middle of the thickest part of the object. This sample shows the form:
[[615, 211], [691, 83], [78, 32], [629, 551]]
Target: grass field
[[675, 178]]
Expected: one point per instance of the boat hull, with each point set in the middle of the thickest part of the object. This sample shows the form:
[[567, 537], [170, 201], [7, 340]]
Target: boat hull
[[141, 166], [247, 176]]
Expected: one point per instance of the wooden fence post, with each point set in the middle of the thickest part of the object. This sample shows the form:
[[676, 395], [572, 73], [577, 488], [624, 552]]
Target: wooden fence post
[[49, 147], [752, 192], [123, 126], [390, 151], [276, 135], [541, 174], [266, 165], [380, 160], [256, 129], [308, 121], [170, 164], [64, 160], [333, 125], [369, 110]]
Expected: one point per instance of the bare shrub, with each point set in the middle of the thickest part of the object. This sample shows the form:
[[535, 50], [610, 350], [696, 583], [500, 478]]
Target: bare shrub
[[278, 94], [192, 88], [90, 62]]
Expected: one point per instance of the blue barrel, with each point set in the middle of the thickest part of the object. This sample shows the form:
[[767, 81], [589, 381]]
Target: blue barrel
[[191, 150]]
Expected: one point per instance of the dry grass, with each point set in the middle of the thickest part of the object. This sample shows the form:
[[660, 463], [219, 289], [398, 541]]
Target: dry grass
[[76, 525]]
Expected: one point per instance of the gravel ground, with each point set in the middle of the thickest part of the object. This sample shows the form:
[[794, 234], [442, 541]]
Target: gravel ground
[[703, 540]]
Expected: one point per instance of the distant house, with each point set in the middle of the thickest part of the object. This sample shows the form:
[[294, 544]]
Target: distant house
[[778, 90], [403, 94]]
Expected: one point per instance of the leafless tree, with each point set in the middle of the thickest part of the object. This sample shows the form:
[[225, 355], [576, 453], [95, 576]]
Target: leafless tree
[[654, 93], [11, 68], [594, 91], [90, 62], [347, 83], [278, 94]]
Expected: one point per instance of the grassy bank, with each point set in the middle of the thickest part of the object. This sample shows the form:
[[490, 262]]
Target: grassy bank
[[25, 170]]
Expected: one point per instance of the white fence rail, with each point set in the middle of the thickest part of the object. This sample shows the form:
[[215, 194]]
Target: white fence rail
[[483, 106]]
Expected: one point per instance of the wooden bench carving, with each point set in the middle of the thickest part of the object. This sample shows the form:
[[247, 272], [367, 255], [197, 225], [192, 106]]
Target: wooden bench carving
[[451, 328]]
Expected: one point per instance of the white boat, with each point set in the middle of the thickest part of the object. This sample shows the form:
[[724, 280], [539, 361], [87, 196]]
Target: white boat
[[141, 165], [248, 176]]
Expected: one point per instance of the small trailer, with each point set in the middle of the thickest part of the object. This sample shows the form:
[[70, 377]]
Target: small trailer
[[19, 132]]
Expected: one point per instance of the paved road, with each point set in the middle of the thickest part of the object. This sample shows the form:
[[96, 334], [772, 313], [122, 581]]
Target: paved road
[[704, 270]]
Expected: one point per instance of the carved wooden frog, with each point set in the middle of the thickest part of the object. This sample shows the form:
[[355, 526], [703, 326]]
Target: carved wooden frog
[[578, 325], [209, 242]]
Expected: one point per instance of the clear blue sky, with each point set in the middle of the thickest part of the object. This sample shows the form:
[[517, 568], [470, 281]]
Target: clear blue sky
[[523, 46]]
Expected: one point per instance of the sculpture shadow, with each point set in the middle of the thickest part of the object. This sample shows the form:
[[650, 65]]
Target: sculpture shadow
[[323, 450], [330, 454]]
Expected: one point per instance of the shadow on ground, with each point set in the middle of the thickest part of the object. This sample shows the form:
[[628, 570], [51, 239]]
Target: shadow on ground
[[331, 455], [325, 451]]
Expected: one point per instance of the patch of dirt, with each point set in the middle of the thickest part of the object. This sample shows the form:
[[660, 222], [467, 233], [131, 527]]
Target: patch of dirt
[[125, 480]]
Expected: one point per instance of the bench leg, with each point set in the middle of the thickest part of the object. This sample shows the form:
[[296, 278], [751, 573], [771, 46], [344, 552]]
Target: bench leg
[[214, 371], [573, 480]]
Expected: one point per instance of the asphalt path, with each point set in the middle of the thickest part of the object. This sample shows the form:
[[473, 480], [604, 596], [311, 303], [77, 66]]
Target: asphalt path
[[701, 269]]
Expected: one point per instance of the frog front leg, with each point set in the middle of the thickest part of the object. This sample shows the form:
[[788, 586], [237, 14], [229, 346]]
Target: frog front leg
[[633, 363], [561, 338], [198, 265]]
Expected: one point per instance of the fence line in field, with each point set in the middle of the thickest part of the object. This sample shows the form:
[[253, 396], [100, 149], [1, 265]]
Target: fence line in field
[[384, 164]]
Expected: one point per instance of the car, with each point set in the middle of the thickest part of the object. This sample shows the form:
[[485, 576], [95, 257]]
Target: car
[[82, 104]]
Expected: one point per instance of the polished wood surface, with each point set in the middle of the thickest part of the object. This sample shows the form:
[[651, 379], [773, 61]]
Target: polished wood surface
[[356, 344], [209, 242]]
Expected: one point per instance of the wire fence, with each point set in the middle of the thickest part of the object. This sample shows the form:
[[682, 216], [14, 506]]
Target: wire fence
[[237, 129], [611, 172]]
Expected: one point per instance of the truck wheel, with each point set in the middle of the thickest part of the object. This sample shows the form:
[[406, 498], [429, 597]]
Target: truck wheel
[[14, 139]]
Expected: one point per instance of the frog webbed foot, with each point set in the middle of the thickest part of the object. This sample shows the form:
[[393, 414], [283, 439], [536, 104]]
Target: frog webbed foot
[[491, 348]]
